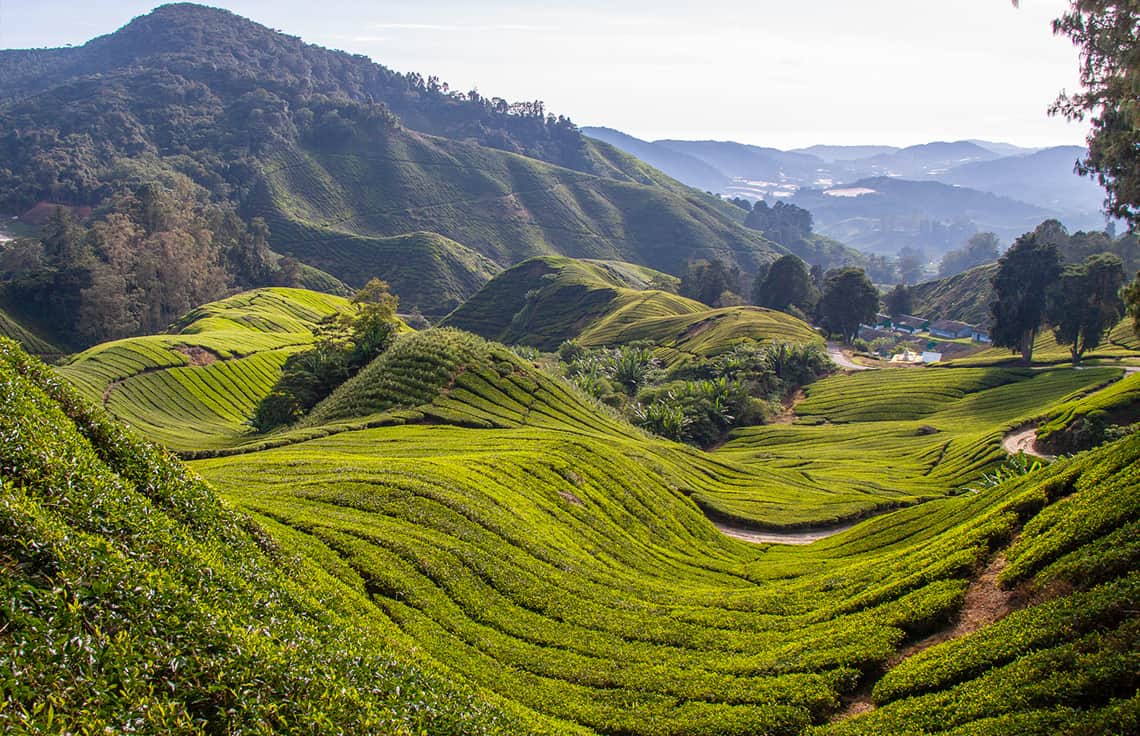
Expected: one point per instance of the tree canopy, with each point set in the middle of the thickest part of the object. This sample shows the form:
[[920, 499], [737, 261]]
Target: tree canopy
[[1025, 273], [979, 249], [1107, 34], [1085, 303], [710, 282], [786, 284], [849, 299]]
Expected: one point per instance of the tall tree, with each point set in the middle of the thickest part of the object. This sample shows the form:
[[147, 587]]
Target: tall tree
[[1106, 33], [899, 300], [786, 284], [1025, 273], [849, 299], [1085, 303], [1132, 302]]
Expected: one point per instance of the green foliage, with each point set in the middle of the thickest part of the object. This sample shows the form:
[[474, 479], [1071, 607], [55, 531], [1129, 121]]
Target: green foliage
[[708, 282], [1088, 421], [786, 284], [344, 344], [1025, 273], [1105, 32], [1017, 465], [848, 300], [1131, 297], [899, 300], [1084, 304], [980, 249], [137, 601], [196, 387]]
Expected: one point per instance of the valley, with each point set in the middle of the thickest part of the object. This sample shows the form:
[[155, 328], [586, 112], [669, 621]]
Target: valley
[[335, 400]]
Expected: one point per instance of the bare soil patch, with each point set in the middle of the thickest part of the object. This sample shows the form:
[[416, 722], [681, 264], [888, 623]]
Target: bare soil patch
[[1023, 440], [197, 355]]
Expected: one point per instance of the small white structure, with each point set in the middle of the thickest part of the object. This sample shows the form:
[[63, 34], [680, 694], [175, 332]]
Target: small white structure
[[929, 357]]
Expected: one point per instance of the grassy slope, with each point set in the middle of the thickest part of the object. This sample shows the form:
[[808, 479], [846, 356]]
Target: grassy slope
[[31, 342], [335, 207], [556, 559], [1121, 344], [137, 602], [965, 297], [544, 301], [156, 385]]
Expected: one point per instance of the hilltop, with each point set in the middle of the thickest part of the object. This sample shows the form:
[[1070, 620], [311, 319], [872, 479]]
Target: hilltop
[[543, 301], [347, 161]]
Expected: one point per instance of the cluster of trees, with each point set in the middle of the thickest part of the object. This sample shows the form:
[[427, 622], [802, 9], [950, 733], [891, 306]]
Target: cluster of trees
[[345, 344], [981, 248], [699, 401], [1033, 289], [839, 300], [154, 250]]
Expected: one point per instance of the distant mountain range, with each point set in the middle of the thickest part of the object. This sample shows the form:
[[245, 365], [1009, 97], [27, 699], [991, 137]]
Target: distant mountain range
[[880, 198]]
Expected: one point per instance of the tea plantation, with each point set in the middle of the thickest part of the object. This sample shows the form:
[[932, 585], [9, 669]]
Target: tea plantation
[[455, 541]]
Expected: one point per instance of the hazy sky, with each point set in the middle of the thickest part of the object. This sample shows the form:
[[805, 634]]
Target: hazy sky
[[778, 73]]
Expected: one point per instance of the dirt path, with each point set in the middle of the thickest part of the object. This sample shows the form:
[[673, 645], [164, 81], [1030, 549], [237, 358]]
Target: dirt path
[[1023, 440], [835, 352], [985, 603], [806, 536]]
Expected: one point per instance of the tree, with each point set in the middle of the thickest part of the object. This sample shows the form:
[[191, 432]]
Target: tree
[[1025, 273], [899, 300], [912, 262], [706, 281], [1085, 303], [849, 299], [786, 284], [1131, 297], [979, 249], [1106, 33]]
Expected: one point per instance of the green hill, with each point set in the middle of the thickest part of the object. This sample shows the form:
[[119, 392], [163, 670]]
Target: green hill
[[134, 600], [457, 500], [965, 297], [564, 565], [543, 301], [357, 169], [196, 386]]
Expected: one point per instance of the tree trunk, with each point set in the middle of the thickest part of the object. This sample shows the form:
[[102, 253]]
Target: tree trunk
[[1027, 347]]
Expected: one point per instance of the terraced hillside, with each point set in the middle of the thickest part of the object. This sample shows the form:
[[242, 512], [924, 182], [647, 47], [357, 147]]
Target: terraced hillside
[[543, 301], [337, 207], [135, 601], [869, 441], [965, 296], [560, 561], [1120, 345], [196, 386]]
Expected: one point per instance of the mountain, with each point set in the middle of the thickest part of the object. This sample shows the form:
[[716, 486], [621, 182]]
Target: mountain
[[831, 154], [355, 168], [927, 159], [884, 214], [1044, 177], [681, 166], [1003, 149]]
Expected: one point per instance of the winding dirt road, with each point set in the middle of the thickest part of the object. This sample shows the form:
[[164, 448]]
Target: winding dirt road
[[807, 536], [840, 359]]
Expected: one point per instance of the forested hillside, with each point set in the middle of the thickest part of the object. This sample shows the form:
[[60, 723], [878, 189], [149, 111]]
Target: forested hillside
[[341, 157]]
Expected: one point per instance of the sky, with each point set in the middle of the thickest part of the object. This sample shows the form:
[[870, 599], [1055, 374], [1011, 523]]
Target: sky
[[773, 73]]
